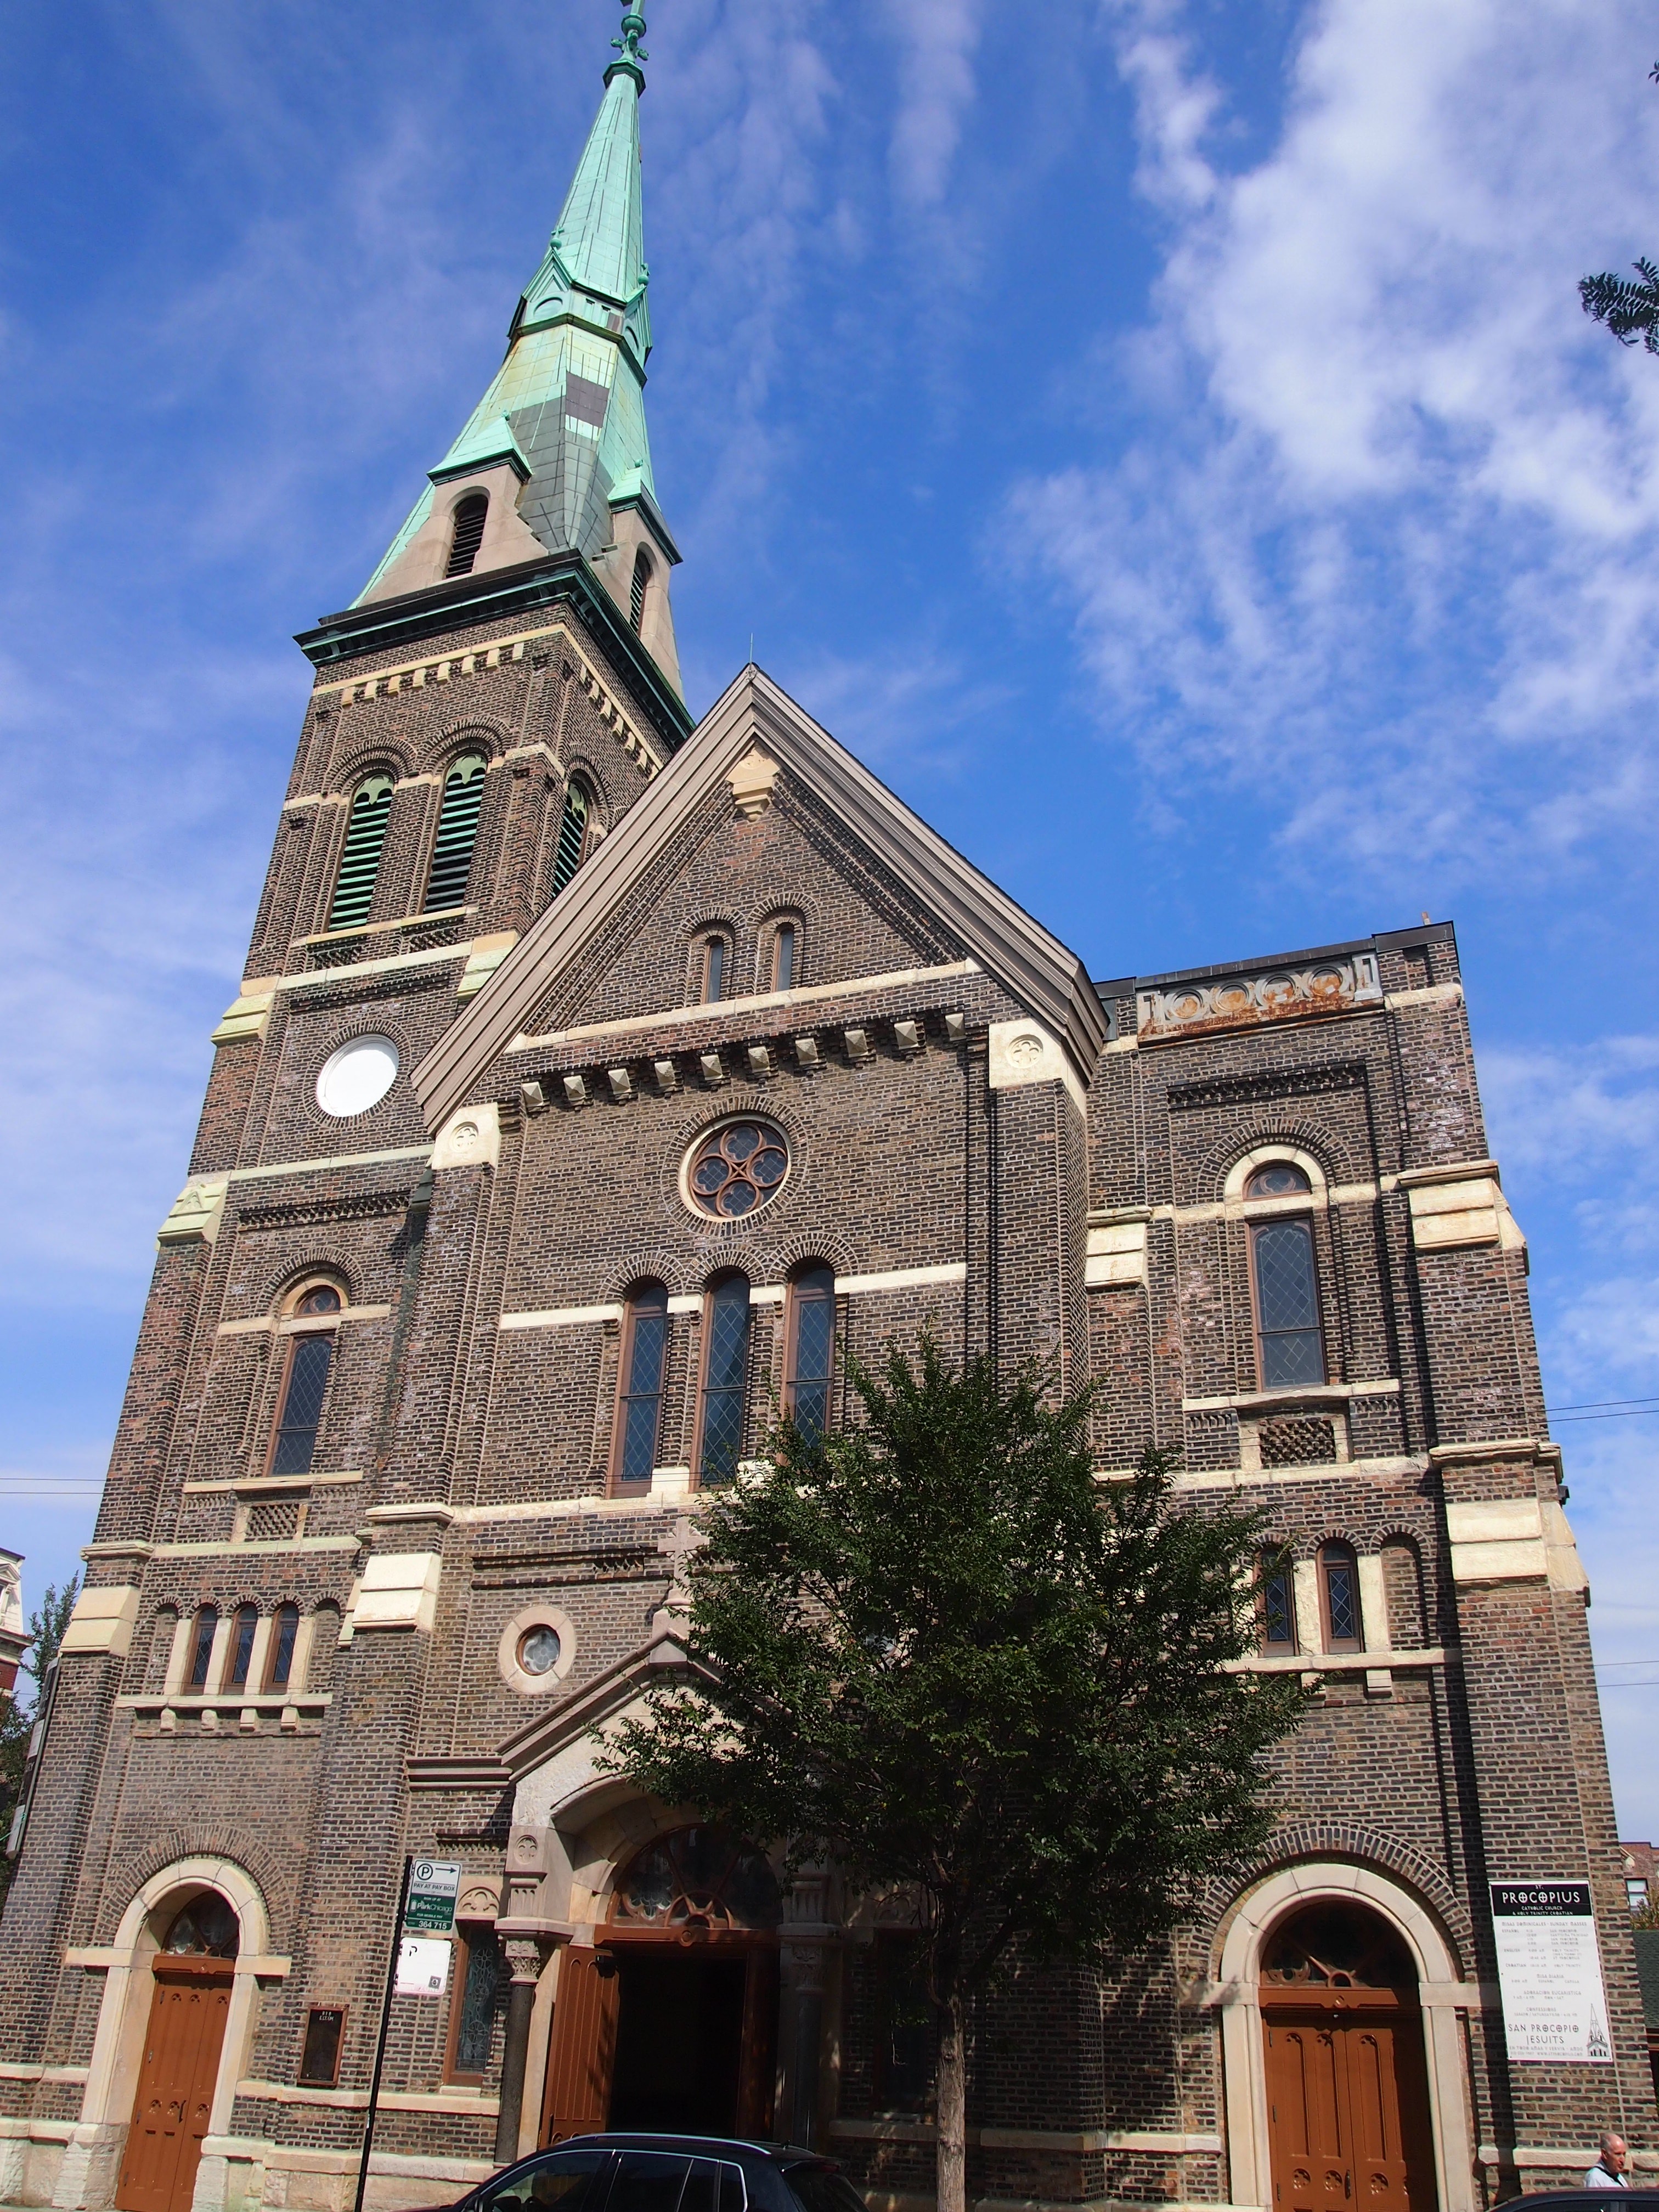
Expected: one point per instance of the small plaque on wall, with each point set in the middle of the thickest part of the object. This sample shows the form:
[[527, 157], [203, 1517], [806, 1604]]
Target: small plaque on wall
[[319, 2059], [1549, 1972]]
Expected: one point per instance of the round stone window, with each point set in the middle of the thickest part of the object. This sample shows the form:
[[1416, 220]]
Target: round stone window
[[538, 1650], [357, 1076], [737, 1169]]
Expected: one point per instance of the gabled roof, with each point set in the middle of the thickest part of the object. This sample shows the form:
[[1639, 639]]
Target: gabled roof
[[609, 1693], [1046, 979]]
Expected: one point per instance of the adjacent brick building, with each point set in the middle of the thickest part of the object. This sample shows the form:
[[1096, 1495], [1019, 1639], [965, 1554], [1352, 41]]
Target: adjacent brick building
[[596, 1082]]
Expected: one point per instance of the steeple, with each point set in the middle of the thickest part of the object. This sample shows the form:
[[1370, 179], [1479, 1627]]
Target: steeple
[[558, 442]]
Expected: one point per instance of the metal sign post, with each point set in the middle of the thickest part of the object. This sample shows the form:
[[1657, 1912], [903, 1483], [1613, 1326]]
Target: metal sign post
[[426, 1904]]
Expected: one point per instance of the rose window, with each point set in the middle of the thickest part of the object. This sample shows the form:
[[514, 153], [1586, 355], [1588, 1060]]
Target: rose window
[[736, 1169]]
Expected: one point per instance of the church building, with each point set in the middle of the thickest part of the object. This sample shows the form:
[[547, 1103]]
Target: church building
[[599, 1081]]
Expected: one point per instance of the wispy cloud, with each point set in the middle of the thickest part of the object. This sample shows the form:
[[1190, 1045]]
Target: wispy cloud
[[1384, 488], [939, 40]]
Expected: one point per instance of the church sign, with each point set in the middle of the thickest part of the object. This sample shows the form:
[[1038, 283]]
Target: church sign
[[1549, 1972]]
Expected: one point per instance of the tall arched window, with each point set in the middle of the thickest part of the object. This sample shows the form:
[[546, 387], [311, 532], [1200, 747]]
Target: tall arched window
[[811, 1342], [725, 1373], [573, 825], [468, 534], [201, 1646], [458, 833], [783, 957], [637, 590], [284, 1635], [711, 969], [639, 1414], [1290, 1348], [360, 863], [1339, 1598], [300, 1409], [1277, 1596], [243, 1629]]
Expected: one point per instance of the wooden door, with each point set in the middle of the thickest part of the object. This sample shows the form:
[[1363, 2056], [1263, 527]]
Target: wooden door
[[582, 2054], [171, 2111], [1348, 2109]]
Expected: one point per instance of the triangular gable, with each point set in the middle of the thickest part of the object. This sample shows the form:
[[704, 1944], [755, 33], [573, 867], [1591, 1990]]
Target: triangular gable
[[1035, 967], [621, 1685]]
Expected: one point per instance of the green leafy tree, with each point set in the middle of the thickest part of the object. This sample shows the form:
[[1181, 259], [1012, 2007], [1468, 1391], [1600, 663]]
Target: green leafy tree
[[936, 1651], [47, 1626], [1629, 310]]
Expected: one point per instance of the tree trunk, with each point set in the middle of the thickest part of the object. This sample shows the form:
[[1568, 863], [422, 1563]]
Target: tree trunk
[[953, 2095]]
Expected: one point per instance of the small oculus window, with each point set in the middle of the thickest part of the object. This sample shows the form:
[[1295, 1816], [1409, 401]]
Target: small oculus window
[[540, 1649], [738, 1169], [356, 1076]]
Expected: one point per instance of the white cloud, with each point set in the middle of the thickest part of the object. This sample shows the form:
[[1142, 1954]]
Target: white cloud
[[1388, 523], [939, 40]]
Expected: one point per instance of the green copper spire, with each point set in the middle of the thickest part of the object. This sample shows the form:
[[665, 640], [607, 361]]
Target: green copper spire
[[566, 408]]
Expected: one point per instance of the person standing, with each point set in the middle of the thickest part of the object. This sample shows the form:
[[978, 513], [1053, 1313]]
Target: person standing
[[1609, 2171]]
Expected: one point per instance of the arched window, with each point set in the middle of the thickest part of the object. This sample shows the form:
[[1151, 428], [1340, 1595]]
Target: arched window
[[1277, 1596], [811, 1342], [294, 1444], [725, 1373], [458, 833], [201, 1646], [1339, 1598], [1289, 1349], [638, 588], [639, 1416], [360, 863], [206, 1928], [574, 824], [243, 1628], [783, 957], [711, 969], [283, 1637], [468, 535]]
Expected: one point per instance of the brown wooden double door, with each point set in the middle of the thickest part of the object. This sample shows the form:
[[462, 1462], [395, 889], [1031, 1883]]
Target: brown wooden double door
[[1348, 2109], [171, 2111], [662, 2036]]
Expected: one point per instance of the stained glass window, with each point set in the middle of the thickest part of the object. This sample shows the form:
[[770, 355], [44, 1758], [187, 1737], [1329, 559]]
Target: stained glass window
[[207, 1927], [736, 1169], [698, 1877], [1340, 1577], [282, 1645], [812, 1349], [1279, 1179], [201, 1651], [644, 1346], [1287, 1305], [725, 1363], [475, 1998], [1277, 1603], [242, 1631], [302, 1405]]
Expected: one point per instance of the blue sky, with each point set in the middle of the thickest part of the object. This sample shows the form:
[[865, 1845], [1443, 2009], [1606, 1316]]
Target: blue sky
[[1160, 436]]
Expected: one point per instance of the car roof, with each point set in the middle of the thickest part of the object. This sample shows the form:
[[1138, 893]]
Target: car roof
[[727, 2147]]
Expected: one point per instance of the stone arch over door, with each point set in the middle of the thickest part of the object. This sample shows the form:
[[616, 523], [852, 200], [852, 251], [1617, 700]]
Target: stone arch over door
[[1442, 1995], [89, 2174]]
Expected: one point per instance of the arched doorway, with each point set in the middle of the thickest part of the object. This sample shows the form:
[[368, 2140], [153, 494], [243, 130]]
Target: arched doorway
[[1347, 2090], [668, 2021], [193, 1973]]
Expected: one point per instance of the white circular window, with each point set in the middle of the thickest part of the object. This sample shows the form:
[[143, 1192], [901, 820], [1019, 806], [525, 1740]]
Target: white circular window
[[357, 1076], [540, 1649]]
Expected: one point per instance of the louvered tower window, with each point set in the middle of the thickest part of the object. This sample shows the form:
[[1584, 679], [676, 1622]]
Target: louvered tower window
[[573, 835], [636, 596], [458, 833], [469, 533], [360, 863]]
